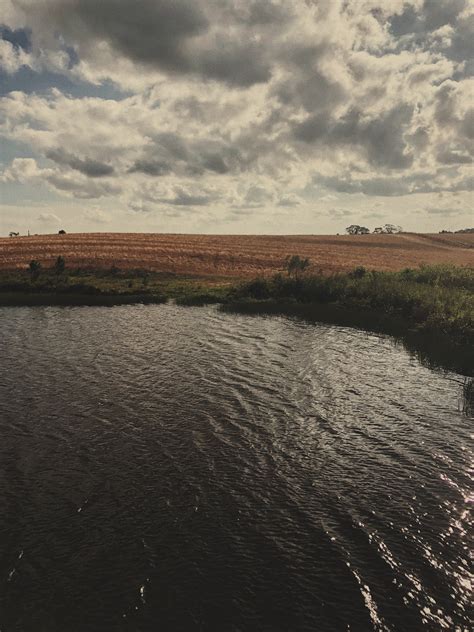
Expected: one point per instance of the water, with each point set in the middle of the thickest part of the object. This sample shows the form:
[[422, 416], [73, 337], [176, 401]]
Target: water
[[166, 468]]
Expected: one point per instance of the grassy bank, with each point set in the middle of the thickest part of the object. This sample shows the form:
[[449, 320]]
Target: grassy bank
[[107, 287], [430, 307], [436, 299]]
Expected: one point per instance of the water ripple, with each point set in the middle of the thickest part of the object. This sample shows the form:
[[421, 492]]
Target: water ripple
[[195, 470]]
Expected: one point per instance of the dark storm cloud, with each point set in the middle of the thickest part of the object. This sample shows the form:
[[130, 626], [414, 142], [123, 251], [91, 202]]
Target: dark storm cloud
[[446, 102], [462, 46], [233, 102], [259, 12], [312, 90], [82, 189], [467, 124], [171, 153], [432, 15], [381, 137], [180, 196], [170, 35], [461, 126], [87, 166], [241, 64], [449, 157], [417, 26], [145, 30], [421, 182], [151, 167], [185, 199]]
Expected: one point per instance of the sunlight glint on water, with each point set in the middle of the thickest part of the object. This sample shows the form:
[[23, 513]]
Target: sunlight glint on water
[[184, 468]]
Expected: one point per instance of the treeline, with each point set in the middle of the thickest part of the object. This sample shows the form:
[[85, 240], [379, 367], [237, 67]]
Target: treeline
[[386, 229], [462, 230]]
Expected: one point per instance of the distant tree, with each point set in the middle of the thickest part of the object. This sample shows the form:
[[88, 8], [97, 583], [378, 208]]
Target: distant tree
[[13, 234], [62, 232], [378, 230], [60, 265], [355, 229], [391, 229], [295, 264], [34, 268]]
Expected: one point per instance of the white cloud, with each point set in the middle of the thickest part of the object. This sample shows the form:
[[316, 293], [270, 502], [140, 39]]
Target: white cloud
[[97, 216], [48, 218], [264, 105], [11, 58]]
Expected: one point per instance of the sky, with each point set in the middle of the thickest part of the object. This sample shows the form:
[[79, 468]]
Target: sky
[[235, 116]]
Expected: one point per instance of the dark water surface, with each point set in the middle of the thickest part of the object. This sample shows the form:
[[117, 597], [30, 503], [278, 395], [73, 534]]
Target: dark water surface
[[166, 468]]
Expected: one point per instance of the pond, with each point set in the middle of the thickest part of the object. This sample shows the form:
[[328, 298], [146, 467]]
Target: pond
[[184, 469]]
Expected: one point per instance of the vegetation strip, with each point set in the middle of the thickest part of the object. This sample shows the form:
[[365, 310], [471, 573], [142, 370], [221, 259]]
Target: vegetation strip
[[433, 300]]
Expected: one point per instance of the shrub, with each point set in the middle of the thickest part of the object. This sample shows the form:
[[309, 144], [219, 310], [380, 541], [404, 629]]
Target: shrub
[[257, 289], [34, 268], [60, 265], [295, 264], [358, 273]]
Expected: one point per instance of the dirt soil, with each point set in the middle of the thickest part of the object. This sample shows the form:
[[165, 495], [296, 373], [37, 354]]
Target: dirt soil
[[236, 255]]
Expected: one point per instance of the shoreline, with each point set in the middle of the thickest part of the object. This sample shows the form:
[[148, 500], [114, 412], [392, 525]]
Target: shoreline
[[430, 309], [434, 348], [52, 299]]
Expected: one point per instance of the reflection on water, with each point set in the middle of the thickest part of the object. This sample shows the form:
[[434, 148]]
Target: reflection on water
[[185, 469], [468, 397], [430, 348]]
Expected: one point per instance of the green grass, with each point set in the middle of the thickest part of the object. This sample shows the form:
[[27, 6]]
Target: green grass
[[431, 299], [435, 299], [107, 284]]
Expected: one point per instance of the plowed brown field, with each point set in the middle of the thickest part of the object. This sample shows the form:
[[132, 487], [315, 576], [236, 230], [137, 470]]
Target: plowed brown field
[[236, 255]]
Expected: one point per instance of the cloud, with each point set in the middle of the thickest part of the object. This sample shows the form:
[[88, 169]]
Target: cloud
[[87, 166], [391, 186], [12, 57], [27, 170], [381, 137], [23, 170], [48, 218], [289, 200], [181, 197], [453, 157], [150, 167], [340, 213], [97, 216], [210, 39], [80, 186], [443, 211], [233, 107]]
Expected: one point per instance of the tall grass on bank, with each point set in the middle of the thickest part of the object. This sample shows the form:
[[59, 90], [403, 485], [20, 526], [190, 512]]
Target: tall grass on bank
[[112, 282], [431, 298], [436, 299]]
